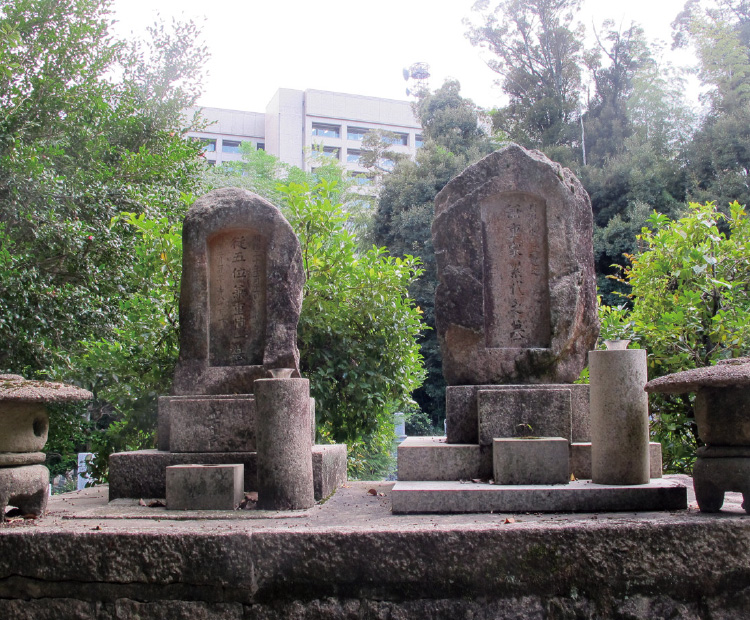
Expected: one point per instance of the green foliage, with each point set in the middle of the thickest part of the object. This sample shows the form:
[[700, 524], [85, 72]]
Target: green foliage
[[691, 307], [419, 424], [536, 51], [358, 328], [91, 127]]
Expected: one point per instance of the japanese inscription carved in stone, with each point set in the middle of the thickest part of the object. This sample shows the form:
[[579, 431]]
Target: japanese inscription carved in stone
[[241, 294], [516, 296]]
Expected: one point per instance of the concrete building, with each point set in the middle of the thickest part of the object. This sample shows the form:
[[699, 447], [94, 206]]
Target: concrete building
[[300, 127]]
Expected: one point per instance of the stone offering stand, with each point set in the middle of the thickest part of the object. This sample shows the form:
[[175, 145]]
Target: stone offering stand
[[515, 313], [722, 414], [24, 425]]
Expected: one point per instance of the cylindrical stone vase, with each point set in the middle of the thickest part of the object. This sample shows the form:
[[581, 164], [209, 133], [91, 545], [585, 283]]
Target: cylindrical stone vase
[[284, 445], [619, 417]]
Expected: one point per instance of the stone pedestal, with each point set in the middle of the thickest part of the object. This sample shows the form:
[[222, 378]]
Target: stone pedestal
[[619, 417], [285, 478], [718, 470], [542, 460], [204, 487]]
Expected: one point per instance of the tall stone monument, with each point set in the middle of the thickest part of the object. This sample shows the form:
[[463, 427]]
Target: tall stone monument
[[240, 301], [516, 297], [515, 313]]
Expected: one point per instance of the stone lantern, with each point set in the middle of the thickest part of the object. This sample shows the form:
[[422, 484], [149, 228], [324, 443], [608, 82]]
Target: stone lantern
[[24, 424], [722, 414]]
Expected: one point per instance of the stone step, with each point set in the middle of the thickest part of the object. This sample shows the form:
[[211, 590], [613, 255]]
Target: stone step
[[415, 497]]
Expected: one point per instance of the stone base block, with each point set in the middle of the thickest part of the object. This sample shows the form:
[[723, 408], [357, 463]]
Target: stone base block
[[26, 488], [580, 460], [329, 469], [580, 496], [713, 476], [462, 410], [204, 487], [541, 460], [431, 458], [142, 473], [207, 423], [520, 412]]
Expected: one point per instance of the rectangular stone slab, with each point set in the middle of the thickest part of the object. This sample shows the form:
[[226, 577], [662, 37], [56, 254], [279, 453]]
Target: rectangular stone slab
[[462, 415], [530, 461], [204, 487], [212, 424], [431, 458], [580, 496], [523, 412]]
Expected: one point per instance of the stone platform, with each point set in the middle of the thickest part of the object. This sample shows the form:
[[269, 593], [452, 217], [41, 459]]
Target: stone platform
[[578, 496], [143, 473], [351, 557]]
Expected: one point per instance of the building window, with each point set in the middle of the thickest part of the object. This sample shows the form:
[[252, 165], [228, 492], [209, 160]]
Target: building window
[[230, 146], [397, 138], [326, 131], [261, 146], [326, 151], [211, 162], [387, 163], [361, 178], [209, 146], [355, 133], [353, 156], [418, 141]]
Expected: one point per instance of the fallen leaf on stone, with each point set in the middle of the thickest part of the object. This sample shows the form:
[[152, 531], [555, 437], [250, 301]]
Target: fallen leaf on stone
[[98, 527], [372, 492], [157, 504], [510, 520], [572, 478], [464, 481], [476, 480], [141, 503], [381, 494]]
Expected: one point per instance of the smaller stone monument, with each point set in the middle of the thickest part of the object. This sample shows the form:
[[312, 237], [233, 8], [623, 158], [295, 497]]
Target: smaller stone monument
[[24, 424], [240, 302], [722, 414]]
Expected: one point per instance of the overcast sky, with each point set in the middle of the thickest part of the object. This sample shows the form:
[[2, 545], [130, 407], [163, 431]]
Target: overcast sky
[[350, 46]]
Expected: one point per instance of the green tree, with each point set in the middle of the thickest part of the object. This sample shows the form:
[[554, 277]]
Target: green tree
[[78, 147], [453, 139], [536, 51], [358, 328], [690, 308]]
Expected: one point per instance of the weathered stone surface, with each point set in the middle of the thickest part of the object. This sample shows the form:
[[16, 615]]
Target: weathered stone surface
[[285, 475], [17, 389], [462, 410], [580, 460], [14, 459], [211, 424], [727, 373], [516, 298], [619, 417], [26, 488], [204, 487], [23, 426], [522, 413], [431, 497], [143, 473], [329, 468], [531, 461], [723, 415], [351, 558], [431, 458], [241, 294]]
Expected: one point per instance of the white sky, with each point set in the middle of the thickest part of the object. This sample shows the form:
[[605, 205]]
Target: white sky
[[350, 46]]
